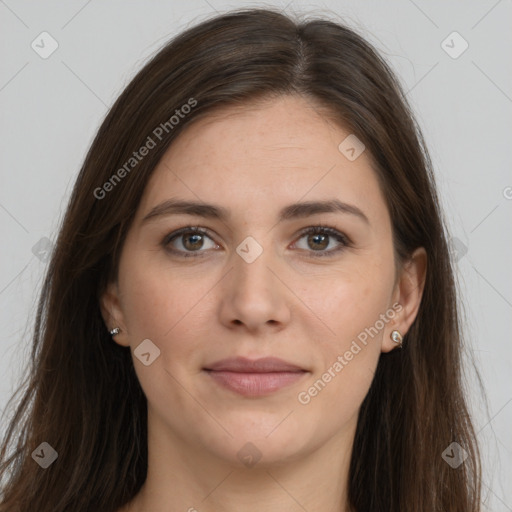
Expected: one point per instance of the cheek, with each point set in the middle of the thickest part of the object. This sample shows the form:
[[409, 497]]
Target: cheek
[[353, 310], [157, 299], [161, 306], [349, 301], [167, 307], [348, 356]]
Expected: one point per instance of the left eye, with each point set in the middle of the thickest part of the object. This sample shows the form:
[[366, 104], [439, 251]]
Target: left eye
[[319, 238], [192, 238]]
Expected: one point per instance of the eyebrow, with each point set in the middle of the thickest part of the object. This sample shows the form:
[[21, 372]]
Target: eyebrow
[[292, 211]]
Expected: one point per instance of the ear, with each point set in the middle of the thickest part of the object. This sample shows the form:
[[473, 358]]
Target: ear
[[112, 313], [408, 292]]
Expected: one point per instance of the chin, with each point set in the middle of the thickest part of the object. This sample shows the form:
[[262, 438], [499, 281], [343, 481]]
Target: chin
[[263, 444]]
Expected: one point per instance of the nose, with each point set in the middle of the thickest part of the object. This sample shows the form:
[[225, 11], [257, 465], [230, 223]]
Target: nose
[[254, 294]]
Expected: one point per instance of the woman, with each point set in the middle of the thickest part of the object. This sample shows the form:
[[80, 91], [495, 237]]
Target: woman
[[251, 303]]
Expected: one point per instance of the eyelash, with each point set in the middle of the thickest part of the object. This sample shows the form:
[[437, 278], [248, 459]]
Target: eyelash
[[314, 230]]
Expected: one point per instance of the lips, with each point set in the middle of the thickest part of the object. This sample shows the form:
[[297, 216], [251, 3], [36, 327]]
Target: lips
[[263, 365], [254, 378]]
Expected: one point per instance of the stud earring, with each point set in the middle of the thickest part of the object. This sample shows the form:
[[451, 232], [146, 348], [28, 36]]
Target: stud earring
[[114, 331], [397, 338]]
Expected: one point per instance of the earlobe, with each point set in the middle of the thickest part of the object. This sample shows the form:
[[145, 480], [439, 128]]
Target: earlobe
[[112, 314], [408, 293]]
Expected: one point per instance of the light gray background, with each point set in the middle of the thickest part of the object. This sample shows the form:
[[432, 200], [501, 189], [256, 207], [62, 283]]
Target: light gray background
[[51, 109]]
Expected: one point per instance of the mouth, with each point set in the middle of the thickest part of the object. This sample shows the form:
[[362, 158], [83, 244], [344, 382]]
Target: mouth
[[253, 378]]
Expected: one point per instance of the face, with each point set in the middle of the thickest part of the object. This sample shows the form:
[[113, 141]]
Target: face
[[255, 280]]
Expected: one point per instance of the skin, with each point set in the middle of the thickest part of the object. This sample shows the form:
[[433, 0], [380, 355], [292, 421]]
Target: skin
[[287, 303]]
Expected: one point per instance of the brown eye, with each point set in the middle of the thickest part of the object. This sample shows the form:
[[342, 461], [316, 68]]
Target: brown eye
[[192, 242], [319, 238], [188, 240], [318, 241]]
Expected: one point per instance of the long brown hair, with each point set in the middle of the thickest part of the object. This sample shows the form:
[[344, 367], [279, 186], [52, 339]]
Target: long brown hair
[[81, 394]]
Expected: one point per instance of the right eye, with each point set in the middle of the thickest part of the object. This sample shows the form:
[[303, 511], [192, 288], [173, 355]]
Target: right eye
[[190, 238]]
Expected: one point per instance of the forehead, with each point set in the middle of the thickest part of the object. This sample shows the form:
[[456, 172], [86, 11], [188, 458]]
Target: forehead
[[263, 155]]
